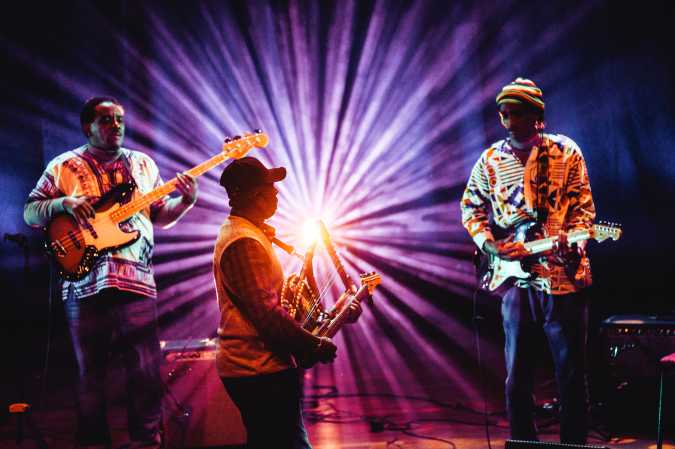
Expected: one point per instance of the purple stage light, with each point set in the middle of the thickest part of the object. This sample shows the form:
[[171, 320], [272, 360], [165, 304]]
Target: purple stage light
[[376, 109]]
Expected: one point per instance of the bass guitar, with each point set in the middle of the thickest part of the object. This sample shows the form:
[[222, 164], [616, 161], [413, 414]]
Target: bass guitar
[[493, 271], [75, 248]]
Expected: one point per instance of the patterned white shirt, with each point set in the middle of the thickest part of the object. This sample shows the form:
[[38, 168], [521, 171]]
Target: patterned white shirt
[[77, 173], [502, 188]]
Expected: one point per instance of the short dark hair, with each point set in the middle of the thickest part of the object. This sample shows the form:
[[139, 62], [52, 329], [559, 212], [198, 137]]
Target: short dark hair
[[88, 112]]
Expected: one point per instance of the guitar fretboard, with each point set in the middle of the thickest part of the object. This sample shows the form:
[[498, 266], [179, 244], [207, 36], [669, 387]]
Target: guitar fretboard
[[539, 246], [146, 200]]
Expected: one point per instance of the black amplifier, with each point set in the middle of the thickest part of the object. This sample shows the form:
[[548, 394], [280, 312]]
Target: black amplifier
[[636, 343], [197, 411], [627, 390], [189, 349]]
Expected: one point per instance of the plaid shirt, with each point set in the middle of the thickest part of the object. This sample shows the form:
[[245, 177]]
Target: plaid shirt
[[246, 268], [501, 187]]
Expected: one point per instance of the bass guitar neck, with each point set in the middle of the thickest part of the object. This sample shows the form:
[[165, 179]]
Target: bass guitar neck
[[75, 248]]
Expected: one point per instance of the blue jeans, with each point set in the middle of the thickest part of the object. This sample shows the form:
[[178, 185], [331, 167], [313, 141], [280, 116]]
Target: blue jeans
[[129, 323], [526, 312], [270, 409]]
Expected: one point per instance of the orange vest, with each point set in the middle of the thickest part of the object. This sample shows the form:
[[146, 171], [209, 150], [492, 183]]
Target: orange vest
[[241, 351]]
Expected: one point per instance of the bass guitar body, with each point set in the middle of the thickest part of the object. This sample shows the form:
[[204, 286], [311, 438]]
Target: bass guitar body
[[75, 248]]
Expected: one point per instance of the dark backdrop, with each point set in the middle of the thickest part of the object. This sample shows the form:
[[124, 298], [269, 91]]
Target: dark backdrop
[[606, 69]]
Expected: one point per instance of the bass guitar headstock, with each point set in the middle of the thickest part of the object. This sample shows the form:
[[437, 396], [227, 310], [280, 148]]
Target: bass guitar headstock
[[236, 147]]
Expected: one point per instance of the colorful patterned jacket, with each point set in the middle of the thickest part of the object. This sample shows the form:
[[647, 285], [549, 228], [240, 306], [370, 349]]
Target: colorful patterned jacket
[[502, 192]]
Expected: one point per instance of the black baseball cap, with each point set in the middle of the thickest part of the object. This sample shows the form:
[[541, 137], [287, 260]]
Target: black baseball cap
[[247, 173]]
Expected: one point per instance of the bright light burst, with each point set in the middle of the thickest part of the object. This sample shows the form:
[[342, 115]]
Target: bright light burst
[[309, 233], [377, 110]]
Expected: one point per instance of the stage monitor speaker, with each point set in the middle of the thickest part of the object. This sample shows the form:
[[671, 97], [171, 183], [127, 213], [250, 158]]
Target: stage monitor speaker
[[518, 444], [635, 344], [197, 411]]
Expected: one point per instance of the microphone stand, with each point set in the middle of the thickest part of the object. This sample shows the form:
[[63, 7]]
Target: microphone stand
[[22, 409]]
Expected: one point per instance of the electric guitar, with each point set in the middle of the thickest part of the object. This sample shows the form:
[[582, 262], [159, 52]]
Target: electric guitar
[[75, 248], [330, 327], [493, 271]]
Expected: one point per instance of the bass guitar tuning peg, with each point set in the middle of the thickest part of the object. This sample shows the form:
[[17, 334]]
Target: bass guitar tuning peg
[[257, 131], [228, 139]]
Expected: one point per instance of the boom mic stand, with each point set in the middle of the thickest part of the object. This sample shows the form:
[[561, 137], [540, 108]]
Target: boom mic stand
[[22, 410]]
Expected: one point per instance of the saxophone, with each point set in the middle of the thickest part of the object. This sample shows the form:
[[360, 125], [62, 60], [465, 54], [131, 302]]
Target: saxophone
[[300, 295]]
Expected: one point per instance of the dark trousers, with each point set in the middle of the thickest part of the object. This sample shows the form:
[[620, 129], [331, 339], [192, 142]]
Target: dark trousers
[[270, 409], [526, 312], [128, 323]]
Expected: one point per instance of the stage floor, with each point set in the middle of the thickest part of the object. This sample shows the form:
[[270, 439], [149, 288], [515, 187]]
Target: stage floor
[[332, 423], [198, 413]]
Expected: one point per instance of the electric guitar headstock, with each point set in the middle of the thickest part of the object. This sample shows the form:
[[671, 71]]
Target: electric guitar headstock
[[604, 231], [236, 147]]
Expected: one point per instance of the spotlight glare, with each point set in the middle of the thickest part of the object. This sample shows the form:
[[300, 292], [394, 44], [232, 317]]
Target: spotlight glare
[[377, 121], [310, 232]]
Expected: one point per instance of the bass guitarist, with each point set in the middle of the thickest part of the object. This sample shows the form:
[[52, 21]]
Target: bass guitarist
[[114, 304], [536, 180]]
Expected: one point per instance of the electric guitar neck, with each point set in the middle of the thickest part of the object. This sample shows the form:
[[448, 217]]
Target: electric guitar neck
[[494, 272]]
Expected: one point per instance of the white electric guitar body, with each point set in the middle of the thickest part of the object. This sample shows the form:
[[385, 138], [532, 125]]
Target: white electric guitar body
[[494, 271]]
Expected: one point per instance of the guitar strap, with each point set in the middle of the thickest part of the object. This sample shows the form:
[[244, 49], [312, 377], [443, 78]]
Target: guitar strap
[[542, 182], [127, 164], [110, 174], [577, 269]]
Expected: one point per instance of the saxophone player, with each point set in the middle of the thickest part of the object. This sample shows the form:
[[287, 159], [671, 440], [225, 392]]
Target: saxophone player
[[258, 339]]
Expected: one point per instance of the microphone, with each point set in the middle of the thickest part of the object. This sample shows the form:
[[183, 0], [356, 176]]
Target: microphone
[[18, 238]]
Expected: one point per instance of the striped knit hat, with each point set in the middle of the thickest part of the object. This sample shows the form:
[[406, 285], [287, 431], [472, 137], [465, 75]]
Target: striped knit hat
[[521, 90]]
